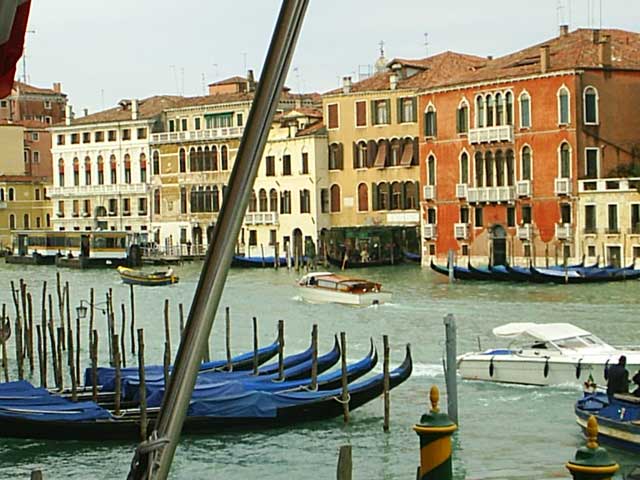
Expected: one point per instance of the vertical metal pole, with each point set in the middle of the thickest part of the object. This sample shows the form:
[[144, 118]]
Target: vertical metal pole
[[220, 250], [450, 367], [450, 266]]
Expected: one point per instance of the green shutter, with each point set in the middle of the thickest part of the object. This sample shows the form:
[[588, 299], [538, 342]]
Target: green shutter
[[403, 197], [414, 109], [374, 196], [355, 154], [373, 112], [388, 102], [417, 183], [399, 118]]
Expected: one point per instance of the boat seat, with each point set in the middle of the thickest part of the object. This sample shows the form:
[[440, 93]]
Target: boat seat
[[627, 397]]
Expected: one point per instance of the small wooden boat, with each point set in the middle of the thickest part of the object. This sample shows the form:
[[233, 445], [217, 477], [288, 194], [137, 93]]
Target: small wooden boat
[[618, 418], [153, 279], [326, 287], [545, 354], [30, 412]]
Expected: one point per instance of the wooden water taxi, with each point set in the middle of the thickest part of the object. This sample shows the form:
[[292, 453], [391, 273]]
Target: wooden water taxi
[[326, 287], [153, 279]]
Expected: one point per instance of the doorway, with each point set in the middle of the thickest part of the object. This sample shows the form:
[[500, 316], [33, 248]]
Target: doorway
[[498, 245], [614, 256]]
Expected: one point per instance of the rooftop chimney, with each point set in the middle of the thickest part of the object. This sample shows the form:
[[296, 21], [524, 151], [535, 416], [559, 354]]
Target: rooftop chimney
[[595, 35], [346, 84], [57, 87], [545, 59], [134, 109], [251, 81], [68, 115], [564, 30], [85, 111], [604, 51], [393, 81]]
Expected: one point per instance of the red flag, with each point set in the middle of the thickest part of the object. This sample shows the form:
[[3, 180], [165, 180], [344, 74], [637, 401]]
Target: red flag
[[13, 25]]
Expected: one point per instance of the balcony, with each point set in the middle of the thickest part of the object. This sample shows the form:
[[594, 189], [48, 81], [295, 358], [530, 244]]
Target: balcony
[[3, 205], [523, 188], [461, 231], [563, 186], [563, 231], [609, 185], [462, 190], [89, 190], [430, 192], [502, 133], [525, 232], [491, 194], [429, 231], [261, 218], [210, 134]]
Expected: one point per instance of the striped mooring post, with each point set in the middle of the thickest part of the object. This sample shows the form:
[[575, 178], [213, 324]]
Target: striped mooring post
[[435, 430], [592, 462]]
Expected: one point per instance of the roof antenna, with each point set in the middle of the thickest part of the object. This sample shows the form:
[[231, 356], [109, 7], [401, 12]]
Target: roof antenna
[[426, 44]]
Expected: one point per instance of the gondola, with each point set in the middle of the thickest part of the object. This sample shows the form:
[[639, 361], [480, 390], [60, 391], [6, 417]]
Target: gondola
[[580, 276], [412, 257], [35, 413], [242, 261], [459, 273], [153, 279]]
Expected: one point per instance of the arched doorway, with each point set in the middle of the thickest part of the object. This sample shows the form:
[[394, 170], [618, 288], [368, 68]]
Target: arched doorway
[[297, 243], [498, 245], [210, 229], [196, 235]]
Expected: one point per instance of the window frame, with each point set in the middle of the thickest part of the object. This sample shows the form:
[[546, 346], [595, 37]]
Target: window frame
[[586, 162], [525, 94], [526, 146], [559, 94], [596, 105], [560, 160], [337, 113]]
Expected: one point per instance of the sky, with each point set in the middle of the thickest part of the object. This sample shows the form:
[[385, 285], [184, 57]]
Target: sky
[[105, 50]]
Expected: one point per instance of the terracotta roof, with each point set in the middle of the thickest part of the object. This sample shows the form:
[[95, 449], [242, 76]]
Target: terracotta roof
[[28, 124], [147, 108], [26, 88], [304, 111], [213, 99], [574, 50], [230, 81], [21, 179], [435, 69], [315, 128]]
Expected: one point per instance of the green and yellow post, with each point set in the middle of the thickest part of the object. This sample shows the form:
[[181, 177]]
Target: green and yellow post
[[592, 462], [435, 430]]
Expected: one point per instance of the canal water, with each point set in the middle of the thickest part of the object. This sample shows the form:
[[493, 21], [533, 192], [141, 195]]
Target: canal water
[[506, 432]]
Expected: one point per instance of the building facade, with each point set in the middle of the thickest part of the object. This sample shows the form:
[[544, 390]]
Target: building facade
[[504, 146], [23, 206]]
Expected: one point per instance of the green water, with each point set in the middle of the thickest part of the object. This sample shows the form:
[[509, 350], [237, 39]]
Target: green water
[[506, 432]]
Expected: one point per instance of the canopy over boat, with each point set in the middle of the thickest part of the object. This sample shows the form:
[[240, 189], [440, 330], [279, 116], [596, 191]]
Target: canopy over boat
[[547, 332]]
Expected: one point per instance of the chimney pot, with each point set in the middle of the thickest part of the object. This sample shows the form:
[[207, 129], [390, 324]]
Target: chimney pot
[[595, 35], [251, 81], [346, 84], [564, 30], [134, 109], [57, 87], [85, 111], [604, 51], [545, 59], [68, 115]]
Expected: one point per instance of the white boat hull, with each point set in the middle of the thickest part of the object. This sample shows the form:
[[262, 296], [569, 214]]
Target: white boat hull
[[536, 371], [324, 295]]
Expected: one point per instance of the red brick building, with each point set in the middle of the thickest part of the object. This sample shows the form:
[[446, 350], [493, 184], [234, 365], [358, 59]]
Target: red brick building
[[504, 144]]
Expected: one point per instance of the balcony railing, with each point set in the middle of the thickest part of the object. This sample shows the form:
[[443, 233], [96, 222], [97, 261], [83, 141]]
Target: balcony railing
[[563, 231], [461, 231], [88, 190], [462, 190], [609, 185], [563, 186], [491, 194], [523, 188], [429, 231], [3, 205], [209, 134], [261, 218], [430, 192], [525, 232], [502, 133]]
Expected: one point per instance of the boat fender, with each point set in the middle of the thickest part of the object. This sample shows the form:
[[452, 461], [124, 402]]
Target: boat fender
[[491, 368], [606, 370], [578, 369], [546, 368]]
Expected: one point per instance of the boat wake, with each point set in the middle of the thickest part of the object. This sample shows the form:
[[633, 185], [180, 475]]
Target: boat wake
[[430, 370]]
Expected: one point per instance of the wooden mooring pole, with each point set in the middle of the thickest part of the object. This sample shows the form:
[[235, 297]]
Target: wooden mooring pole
[[450, 367], [3, 338], [227, 337], [385, 385], [41, 364], [132, 306], [94, 365], [72, 368], [345, 383], [255, 346], [314, 357], [29, 332], [143, 387], [280, 349], [123, 330], [116, 359], [345, 469]]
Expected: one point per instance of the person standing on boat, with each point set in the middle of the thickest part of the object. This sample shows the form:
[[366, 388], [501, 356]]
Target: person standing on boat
[[636, 380], [618, 378]]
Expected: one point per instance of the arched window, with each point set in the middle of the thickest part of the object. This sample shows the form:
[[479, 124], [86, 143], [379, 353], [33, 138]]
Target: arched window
[[200, 159], [25, 221], [61, 172], [500, 180], [76, 172], [183, 200], [214, 158], [1, 194], [430, 122], [253, 202], [48, 220], [263, 200], [565, 161], [335, 198], [464, 168], [563, 106], [488, 169], [215, 193], [499, 109], [208, 200], [508, 100], [479, 168], [100, 167], [363, 197], [224, 158], [510, 170], [411, 192], [12, 222], [490, 107], [114, 170], [383, 196], [526, 170], [127, 168], [591, 106], [12, 194], [360, 155], [156, 202], [87, 171], [273, 200], [462, 117], [156, 162], [525, 110], [182, 160], [335, 156], [395, 156], [193, 163], [208, 163], [479, 112], [143, 168], [431, 170], [396, 196]]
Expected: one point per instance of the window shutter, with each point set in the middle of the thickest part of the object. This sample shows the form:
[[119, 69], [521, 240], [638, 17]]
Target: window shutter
[[388, 102], [399, 111], [372, 150], [435, 124], [403, 197], [426, 124], [374, 196], [355, 155], [416, 153], [373, 112], [459, 120], [414, 109], [417, 184], [340, 156]]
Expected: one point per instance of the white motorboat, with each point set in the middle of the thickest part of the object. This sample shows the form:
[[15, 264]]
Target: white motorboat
[[326, 287], [546, 354]]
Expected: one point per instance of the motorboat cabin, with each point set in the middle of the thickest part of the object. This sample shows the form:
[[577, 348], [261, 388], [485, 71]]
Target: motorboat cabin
[[326, 287]]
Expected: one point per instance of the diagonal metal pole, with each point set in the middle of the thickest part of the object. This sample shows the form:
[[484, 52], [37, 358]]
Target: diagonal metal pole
[[157, 463]]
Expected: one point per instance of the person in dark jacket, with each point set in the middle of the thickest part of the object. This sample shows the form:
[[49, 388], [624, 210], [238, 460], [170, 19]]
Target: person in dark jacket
[[636, 380], [618, 381]]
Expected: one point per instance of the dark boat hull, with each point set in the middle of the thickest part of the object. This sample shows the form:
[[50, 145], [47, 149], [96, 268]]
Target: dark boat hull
[[256, 262]]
